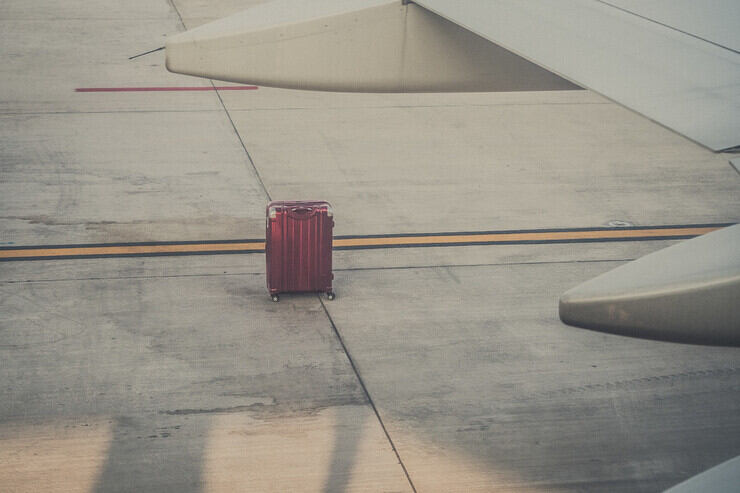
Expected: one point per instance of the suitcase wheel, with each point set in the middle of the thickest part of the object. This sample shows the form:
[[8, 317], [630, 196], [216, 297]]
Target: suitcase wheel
[[275, 298], [330, 295]]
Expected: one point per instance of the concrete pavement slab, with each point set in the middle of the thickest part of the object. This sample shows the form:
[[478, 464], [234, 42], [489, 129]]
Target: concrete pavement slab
[[197, 12], [456, 168], [46, 60], [125, 177], [525, 403], [185, 381]]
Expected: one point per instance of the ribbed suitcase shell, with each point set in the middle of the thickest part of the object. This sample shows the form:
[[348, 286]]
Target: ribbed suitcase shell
[[298, 246]]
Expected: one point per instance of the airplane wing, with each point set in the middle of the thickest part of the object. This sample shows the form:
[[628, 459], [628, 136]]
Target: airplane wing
[[719, 479], [688, 292], [675, 62]]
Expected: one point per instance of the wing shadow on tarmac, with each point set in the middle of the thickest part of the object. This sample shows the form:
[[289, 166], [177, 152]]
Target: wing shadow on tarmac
[[523, 402], [205, 398], [347, 436], [213, 384], [149, 453]]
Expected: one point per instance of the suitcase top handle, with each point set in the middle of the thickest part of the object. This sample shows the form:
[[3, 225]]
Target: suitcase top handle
[[302, 212], [298, 210]]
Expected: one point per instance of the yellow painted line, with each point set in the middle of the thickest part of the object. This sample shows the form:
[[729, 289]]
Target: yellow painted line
[[521, 237], [131, 250], [359, 242]]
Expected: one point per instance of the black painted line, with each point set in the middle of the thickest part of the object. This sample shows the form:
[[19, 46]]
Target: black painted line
[[393, 235], [130, 255], [57, 252], [512, 242], [343, 248], [523, 231], [131, 244]]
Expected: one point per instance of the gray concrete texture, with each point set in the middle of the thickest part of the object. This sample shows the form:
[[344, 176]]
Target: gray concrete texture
[[179, 374]]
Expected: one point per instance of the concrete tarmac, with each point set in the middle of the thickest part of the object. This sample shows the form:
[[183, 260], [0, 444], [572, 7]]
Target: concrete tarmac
[[434, 369]]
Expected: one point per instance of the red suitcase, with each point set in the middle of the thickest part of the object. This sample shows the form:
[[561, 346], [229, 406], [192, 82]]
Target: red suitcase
[[298, 247]]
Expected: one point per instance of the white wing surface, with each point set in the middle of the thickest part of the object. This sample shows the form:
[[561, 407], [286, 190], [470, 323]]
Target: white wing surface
[[715, 21], [627, 51]]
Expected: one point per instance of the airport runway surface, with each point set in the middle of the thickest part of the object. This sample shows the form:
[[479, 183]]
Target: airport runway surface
[[441, 366]]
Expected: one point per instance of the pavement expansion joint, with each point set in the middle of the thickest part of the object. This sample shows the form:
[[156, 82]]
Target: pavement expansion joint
[[366, 392], [241, 141]]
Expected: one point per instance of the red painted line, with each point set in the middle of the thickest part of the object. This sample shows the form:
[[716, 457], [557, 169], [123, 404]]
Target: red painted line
[[163, 89]]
